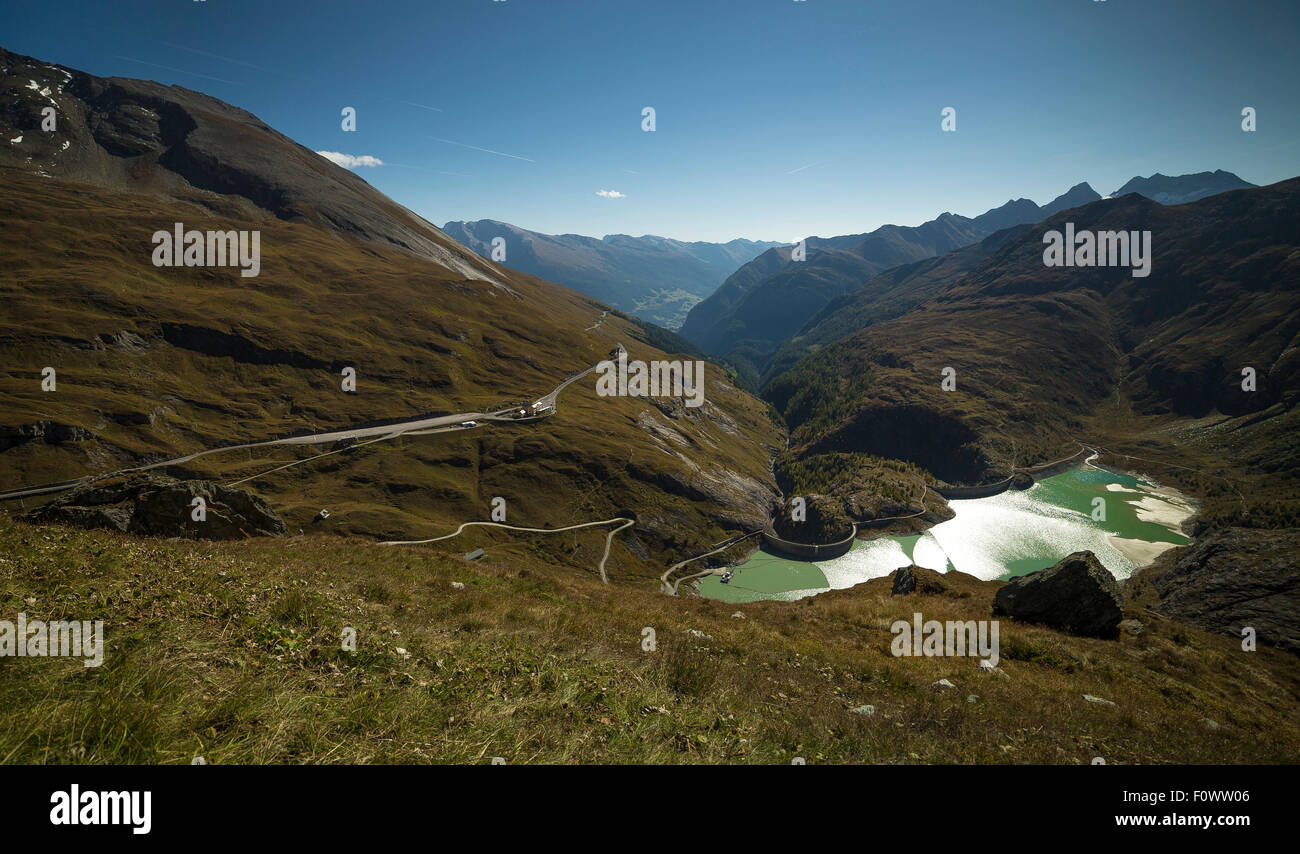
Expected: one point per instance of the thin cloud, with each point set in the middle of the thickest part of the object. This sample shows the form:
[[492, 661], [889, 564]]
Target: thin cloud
[[238, 62], [488, 150], [350, 161], [216, 56], [421, 106], [611, 194], [178, 70], [426, 169], [801, 168]]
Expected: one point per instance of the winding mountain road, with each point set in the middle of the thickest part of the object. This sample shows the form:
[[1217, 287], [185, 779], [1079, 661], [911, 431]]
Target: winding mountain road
[[544, 407], [609, 540], [671, 587], [419, 426]]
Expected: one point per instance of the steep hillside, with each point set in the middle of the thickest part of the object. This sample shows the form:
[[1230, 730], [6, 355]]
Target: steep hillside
[[884, 296], [153, 362], [167, 141], [655, 278]]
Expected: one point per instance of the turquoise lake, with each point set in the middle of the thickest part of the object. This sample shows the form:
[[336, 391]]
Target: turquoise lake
[[998, 537]]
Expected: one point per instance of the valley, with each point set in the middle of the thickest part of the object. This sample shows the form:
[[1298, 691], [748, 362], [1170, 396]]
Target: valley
[[347, 487]]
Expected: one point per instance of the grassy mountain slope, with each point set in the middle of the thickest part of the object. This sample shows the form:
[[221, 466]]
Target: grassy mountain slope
[[154, 362], [230, 651]]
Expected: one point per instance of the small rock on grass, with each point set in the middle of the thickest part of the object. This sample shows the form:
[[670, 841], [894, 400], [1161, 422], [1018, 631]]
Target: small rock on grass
[[1103, 701]]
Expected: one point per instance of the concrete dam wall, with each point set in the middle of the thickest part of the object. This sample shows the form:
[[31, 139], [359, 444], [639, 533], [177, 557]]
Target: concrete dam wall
[[808, 551]]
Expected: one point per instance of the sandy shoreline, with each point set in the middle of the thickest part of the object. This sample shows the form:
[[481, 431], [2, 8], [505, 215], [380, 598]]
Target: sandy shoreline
[[1164, 506], [1141, 552]]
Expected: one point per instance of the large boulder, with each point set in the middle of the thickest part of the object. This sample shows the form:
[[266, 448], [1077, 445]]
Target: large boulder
[[916, 579], [152, 505], [1077, 595]]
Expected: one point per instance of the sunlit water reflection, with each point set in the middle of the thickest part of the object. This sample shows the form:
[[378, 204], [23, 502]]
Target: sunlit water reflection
[[998, 537]]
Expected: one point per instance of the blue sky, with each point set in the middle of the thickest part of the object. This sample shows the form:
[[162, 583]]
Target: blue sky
[[776, 119]]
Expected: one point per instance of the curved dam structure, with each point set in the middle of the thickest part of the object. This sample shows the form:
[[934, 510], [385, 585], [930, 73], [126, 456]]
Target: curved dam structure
[[986, 490], [826, 551], [808, 551]]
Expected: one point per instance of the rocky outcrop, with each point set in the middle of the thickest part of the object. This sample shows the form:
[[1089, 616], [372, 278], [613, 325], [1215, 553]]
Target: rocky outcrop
[[823, 521], [152, 505], [1232, 578], [916, 579], [50, 432], [1077, 595], [1021, 480]]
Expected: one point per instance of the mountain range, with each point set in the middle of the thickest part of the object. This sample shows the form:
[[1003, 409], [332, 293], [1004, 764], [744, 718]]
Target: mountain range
[[655, 278], [1045, 357], [1181, 189], [768, 301]]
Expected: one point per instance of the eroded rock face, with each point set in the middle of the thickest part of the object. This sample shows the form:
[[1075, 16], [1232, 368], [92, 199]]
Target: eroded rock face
[[50, 432], [1077, 595], [152, 505], [1231, 578]]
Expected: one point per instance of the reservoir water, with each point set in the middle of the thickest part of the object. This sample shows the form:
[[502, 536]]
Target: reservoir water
[[998, 537]]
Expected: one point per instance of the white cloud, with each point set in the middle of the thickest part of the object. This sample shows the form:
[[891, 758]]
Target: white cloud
[[350, 161], [611, 194]]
